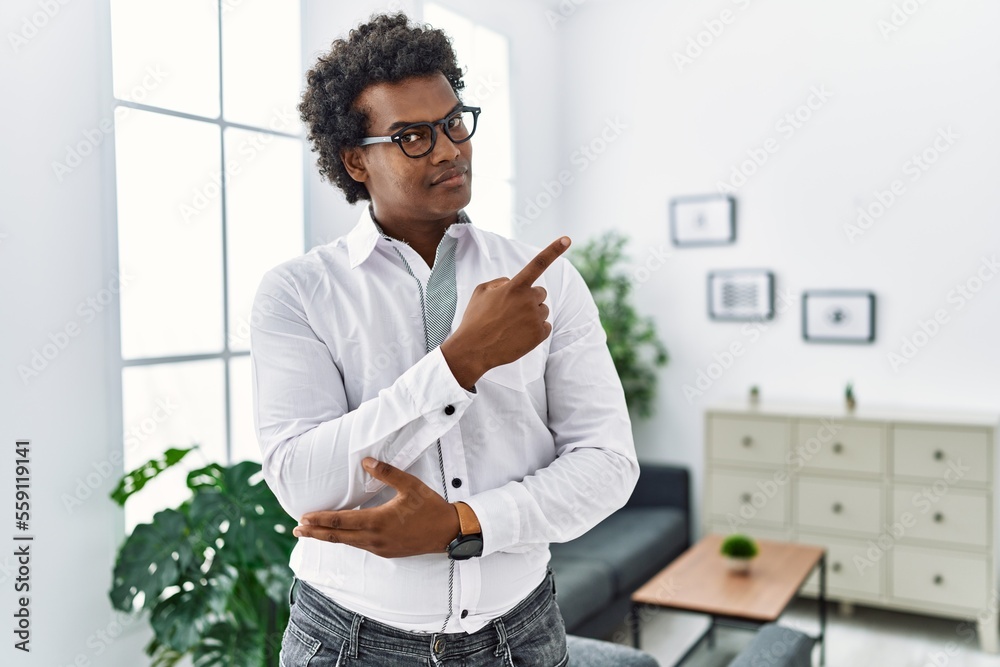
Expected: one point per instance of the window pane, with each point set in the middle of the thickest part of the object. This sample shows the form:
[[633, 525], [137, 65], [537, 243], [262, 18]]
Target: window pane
[[166, 53], [263, 217], [169, 234], [492, 206], [458, 28], [171, 405], [261, 60], [487, 84], [484, 55], [244, 437]]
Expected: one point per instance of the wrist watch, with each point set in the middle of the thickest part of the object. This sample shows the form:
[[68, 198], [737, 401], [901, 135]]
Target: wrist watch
[[469, 542]]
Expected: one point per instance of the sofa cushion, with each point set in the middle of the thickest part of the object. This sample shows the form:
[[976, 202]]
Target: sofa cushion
[[776, 646], [583, 587], [635, 542]]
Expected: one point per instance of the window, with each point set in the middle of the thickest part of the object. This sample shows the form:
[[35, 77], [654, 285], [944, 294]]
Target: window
[[209, 190], [484, 54]]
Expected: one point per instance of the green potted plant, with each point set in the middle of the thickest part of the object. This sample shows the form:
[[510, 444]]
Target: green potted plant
[[632, 339], [849, 397], [739, 550], [754, 395], [212, 574]]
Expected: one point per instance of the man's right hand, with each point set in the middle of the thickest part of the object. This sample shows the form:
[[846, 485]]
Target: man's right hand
[[505, 319]]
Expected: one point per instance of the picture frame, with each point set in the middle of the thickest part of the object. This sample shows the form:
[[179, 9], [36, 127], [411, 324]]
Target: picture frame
[[703, 220], [741, 295], [838, 316]]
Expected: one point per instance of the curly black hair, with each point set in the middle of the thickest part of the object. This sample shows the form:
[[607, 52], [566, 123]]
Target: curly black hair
[[386, 49]]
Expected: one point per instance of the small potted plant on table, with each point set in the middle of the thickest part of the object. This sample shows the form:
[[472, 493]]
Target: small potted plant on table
[[739, 550], [849, 399]]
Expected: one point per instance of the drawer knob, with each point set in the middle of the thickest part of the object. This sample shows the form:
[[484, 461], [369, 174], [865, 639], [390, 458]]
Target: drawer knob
[[938, 455], [939, 518], [747, 441], [838, 448], [938, 580], [835, 567], [745, 498], [837, 508]]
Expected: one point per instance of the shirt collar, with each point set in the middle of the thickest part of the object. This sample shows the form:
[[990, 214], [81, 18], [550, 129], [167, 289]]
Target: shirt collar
[[362, 239]]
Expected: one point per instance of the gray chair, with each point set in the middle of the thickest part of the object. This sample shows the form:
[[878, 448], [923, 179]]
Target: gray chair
[[585, 652], [775, 646]]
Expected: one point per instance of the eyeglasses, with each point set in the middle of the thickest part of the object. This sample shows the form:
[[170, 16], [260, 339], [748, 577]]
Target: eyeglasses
[[419, 139]]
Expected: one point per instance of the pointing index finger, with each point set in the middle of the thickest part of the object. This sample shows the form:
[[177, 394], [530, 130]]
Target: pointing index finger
[[543, 260]]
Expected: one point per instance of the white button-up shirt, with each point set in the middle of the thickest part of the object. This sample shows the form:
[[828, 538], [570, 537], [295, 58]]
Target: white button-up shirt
[[542, 450]]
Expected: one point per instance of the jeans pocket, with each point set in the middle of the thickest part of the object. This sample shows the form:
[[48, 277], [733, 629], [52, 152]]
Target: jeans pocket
[[297, 647], [543, 643]]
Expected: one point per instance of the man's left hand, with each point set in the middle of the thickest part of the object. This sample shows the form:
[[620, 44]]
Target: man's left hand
[[416, 521]]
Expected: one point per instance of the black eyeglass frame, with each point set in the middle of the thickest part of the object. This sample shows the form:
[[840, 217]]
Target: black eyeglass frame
[[397, 137]]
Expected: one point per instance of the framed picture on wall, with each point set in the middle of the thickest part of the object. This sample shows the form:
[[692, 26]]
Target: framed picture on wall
[[703, 220], [741, 295], [838, 316]]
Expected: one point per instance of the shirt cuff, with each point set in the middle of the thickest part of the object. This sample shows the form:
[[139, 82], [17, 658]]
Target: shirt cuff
[[437, 397], [430, 383], [499, 518]]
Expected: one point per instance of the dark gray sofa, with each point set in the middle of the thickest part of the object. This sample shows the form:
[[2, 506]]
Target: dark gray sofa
[[596, 574]]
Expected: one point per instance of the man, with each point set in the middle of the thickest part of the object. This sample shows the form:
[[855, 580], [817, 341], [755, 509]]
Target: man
[[429, 465]]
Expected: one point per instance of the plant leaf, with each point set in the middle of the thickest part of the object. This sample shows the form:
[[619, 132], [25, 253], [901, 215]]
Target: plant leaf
[[133, 482], [149, 561], [629, 336], [275, 579], [230, 645], [180, 619], [162, 655], [214, 573], [211, 476], [243, 520]]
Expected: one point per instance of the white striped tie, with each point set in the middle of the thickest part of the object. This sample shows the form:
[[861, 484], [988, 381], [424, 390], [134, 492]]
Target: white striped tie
[[439, 306]]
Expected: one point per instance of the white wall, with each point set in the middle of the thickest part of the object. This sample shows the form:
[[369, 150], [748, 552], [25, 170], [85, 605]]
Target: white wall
[[689, 126], [55, 254]]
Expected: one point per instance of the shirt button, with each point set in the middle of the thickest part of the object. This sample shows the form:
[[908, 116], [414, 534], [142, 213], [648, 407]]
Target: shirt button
[[449, 410], [465, 612], [456, 482]]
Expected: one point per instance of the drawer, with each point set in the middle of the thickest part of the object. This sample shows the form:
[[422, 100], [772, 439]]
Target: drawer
[[839, 505], [738, 497], [939, 577], [749, 439], [954, 516], [844, 447], [844, 575], [934, 452]]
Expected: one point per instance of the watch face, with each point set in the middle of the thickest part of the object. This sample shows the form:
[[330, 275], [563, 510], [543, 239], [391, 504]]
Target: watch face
[[466, 547]]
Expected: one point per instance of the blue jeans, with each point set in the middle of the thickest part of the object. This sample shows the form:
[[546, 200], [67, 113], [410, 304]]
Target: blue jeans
[[321, 632]]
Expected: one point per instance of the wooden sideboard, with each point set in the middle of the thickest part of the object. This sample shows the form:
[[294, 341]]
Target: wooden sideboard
[[905, 501]]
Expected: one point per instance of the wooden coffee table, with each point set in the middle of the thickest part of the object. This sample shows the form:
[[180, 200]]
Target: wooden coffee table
[[699, 581]]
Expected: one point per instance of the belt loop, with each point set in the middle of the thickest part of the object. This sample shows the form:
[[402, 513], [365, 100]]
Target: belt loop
[[355, 630], [291, 597], [553, 577], [501, 637]]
